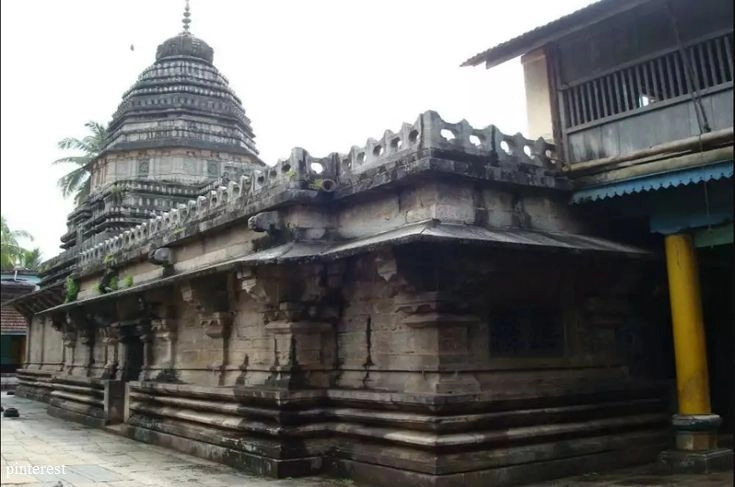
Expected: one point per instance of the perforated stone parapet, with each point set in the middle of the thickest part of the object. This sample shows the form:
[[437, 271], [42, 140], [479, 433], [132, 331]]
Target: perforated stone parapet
[[430, 131], [301, 171]]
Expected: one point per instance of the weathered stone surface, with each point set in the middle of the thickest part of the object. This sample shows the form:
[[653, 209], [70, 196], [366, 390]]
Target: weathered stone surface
[[425, 309]]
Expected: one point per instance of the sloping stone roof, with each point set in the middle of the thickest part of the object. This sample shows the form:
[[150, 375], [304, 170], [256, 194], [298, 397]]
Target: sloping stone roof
[[181, 100]]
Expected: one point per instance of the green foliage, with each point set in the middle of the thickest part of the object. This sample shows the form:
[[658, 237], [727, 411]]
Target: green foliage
[[316, 184], [108, 284], [71, 289], [128, 281], [12, 253], [78, 182], [31, 259], [109, 260]]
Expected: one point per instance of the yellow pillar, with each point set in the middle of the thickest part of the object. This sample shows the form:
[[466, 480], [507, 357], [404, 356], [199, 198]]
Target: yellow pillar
[[692, 380]]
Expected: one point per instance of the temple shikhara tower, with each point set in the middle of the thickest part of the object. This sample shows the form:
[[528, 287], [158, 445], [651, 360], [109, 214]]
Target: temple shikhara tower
[[425, 309], [178, 129]]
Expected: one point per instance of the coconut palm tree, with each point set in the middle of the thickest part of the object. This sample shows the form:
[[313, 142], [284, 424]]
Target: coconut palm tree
[[11, 252], [31, 259], [77, 182]]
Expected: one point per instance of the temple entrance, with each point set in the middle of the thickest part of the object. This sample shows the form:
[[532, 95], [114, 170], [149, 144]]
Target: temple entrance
[[134, 350]]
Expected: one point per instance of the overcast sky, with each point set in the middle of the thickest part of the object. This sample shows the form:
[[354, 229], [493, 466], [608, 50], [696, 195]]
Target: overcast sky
[[323, 75]]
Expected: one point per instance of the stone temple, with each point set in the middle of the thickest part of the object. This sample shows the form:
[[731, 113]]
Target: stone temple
[[425, 309], [177, 130]]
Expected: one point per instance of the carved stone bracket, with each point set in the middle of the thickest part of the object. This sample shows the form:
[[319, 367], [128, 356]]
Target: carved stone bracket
[[143, 331], [386, 266], [164, 331], [70, 338], [110, 338], [206, 297], [164, 328], [217, 324], [86, 336], [58, 322], [83, 327], [254, 287]]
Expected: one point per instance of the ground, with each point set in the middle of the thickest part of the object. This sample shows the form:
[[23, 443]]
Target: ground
[[93, 457]]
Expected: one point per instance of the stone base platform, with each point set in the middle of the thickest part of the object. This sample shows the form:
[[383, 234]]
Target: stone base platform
[[718, 460], [381, 438]]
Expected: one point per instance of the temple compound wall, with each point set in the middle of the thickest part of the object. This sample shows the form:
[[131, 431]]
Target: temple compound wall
[[423, 310]]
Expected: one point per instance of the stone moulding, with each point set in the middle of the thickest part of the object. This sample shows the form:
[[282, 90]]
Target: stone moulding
[[301, 174], [430, 440]]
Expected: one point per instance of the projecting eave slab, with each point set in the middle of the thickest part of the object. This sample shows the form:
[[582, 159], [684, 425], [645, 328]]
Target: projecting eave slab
[[428, 231]]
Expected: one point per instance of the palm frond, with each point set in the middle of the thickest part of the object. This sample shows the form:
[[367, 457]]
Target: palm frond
[[31, 259], [73, 143], [71, 183], [22, 234], [83, 192], [78, 160], [11, 252], [78, 182]]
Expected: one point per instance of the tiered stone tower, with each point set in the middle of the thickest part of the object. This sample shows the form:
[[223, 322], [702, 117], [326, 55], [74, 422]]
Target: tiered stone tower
[[178, 129]]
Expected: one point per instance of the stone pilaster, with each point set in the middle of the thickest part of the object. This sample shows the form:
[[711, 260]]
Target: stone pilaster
[[144, 333], [58, 323], [214, 316], [69, 337], [299, 318], [83, 354], [218, 326], [164, 333], [303, 352], [110, 340], [441, 342]]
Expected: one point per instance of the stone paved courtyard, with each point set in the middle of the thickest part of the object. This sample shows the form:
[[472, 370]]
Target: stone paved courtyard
[[94, 457]]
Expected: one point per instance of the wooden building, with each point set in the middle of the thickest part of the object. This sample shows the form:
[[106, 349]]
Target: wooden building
[[637, 95]]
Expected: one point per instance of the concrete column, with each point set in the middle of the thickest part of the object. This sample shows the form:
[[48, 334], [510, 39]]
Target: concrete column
[[538, 95], [695, 425], [692, 379]]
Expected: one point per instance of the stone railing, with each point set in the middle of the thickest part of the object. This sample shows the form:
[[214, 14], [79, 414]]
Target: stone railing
[[430, 131], [302, 171]]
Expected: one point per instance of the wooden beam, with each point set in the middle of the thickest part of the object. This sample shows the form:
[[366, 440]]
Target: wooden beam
[[690, 143], [672, 164]]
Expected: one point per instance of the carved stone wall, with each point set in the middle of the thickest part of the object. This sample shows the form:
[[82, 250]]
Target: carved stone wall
[[424, 309], [190, 168]]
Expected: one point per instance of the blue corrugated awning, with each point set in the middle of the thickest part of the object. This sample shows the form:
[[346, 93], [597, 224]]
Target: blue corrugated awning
[[656, 182]]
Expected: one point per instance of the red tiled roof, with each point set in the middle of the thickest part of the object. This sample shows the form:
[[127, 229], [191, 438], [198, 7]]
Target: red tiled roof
[[11, 321]]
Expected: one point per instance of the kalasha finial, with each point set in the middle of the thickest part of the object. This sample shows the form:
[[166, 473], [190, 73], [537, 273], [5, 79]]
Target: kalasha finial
[[187, 20]]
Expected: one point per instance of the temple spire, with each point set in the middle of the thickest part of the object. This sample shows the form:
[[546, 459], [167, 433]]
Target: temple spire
[[186, 20]]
